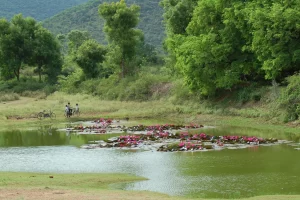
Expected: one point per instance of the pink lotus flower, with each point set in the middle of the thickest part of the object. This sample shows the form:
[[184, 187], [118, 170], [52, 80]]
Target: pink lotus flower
[[202, 135], [181, 144]]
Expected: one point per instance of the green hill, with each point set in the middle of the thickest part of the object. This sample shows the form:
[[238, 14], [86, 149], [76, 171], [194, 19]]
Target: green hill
[[38, 9], [86, 17]]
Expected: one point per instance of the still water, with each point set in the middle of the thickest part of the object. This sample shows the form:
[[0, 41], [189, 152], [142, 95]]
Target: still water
[[227, 174]]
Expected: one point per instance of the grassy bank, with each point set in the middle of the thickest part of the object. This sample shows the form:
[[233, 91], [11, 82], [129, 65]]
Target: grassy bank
[[81, 186], [64, 181], [19, 114]]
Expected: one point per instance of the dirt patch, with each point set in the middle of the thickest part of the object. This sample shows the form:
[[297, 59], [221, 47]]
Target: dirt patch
[[56, 194]]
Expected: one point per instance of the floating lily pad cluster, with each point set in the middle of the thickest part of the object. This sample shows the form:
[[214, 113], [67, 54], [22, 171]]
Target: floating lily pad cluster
[[168, 137], [180, 141], [202, 141]]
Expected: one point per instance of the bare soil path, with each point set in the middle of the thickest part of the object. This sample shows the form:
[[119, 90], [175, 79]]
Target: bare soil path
[[56, 194]]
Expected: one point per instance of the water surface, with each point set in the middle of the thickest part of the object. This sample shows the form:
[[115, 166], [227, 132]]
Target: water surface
[[227, 174]]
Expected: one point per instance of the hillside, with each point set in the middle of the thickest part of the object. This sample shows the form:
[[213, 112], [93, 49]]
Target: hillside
[[86, 17], [38, 9]]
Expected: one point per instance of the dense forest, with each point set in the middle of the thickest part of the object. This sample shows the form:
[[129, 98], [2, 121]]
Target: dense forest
[[215, 50], [86, 17], [38, 9]]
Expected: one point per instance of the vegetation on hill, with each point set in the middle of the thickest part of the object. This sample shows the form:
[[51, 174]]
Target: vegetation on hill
[[86, 18], [40, 10]]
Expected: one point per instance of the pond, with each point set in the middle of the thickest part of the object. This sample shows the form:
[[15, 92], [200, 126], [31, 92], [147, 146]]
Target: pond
[[252, 171]]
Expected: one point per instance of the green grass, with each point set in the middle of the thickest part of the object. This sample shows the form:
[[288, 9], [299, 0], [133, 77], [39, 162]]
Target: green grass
[[63, 181], [148, 113], [90, 184]]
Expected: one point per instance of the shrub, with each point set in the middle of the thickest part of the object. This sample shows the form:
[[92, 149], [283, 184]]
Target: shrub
[[28, 85], [70, 83], [244, 95], [49, 89], [38, 94], [181, 93], [141, 87], [290, 98], [89, 86], [6, 86], [9, 97], [21, 86]]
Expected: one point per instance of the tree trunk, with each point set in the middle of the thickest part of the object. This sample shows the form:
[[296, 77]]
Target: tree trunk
[[17, 73], [122, 68], [40, 73]]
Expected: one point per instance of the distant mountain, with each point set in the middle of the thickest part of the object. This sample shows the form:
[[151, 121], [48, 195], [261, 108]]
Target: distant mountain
[[86, 17], [38, 9]]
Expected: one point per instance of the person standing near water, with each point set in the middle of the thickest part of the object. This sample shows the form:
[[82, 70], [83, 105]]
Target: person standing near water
[[67, 111], [70, 110], [76, 109]]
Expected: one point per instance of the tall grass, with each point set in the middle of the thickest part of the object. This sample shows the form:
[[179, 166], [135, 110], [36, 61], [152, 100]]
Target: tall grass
[[8, 97]]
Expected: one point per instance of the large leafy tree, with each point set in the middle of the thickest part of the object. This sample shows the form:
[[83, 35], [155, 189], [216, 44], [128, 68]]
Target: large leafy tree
[[89, 57], [75, 39], [24, 42], [276, 36], [46, 55], [222, 43], [4, 30], [17, 43], [120, 27], [209, 53], [178, 14]]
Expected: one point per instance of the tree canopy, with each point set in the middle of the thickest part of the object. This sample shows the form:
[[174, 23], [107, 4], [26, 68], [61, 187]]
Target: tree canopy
[[220, 44], [23, 41], [46, 54], [120, 27], [89, 57]]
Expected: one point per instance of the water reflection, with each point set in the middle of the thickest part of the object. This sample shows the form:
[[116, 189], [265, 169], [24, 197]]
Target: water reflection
[[226, 174], [47, 136], [44, 136]]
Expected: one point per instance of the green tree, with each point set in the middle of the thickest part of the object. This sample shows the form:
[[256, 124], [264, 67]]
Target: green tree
[[17, 43], [120, 23], [62, 38], [178, 14], [46, 55], [209, 53], [89, 57], [276, 42], [76, 38], [4, 70], [24, 42]]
